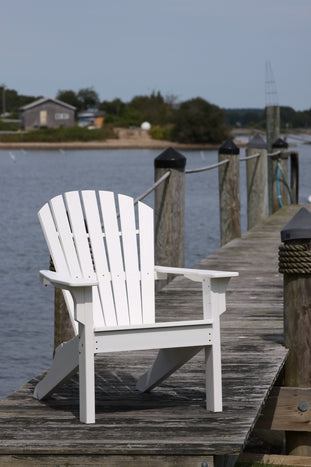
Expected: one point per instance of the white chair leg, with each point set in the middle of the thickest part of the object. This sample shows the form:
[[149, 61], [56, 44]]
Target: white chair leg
[[86, 376], [64, 365], [167, 361], [213, 378]]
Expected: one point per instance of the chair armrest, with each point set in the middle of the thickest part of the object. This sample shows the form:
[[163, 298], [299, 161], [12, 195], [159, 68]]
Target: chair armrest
[[197, 275], [63, 281]]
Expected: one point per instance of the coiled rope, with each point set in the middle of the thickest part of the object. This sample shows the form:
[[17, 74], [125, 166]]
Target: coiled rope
[[295, 257]]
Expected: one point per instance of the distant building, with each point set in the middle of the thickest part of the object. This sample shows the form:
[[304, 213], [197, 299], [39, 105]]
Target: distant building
[[46, 113], [90, 118]]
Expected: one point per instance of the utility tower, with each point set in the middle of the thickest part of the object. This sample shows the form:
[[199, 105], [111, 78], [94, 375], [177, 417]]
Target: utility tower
[[270, 87]]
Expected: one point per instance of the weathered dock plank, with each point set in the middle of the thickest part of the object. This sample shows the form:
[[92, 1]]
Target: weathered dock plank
[[170, 425]]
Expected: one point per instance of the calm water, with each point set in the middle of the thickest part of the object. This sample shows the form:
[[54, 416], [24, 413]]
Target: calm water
[[28, 180]]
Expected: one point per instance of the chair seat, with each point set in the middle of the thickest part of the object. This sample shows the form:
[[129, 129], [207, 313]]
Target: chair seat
[[162, 324]]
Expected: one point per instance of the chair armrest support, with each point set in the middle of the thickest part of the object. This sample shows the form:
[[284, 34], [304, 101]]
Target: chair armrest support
[[214, 285], [63, 281], [81, 291], [197, 275]]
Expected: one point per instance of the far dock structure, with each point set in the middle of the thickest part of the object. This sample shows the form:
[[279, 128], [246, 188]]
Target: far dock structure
[[170, 425]]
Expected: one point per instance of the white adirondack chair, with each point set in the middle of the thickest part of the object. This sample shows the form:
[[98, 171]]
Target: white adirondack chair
[[105, 265]]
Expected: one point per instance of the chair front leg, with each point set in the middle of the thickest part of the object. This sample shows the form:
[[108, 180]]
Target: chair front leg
[[84, 315], [86, 375], [213, 372]]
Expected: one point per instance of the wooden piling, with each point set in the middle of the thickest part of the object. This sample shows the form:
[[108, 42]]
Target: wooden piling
[[170, 209], [272, 125], [295, 264], [278, 177], [294, 176], [256, 173], [229, 192], [273, 133], [63, 330]]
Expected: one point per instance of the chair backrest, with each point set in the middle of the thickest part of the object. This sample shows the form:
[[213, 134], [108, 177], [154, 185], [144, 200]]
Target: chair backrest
[[87, 237]]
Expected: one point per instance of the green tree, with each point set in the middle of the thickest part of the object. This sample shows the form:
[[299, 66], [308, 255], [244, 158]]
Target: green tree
[[9, 100], [294, 119], [88, 98], [154, 109], [245, 117], [114, 111], [151, 108], [13, 101], [198, 121], [68, 96]]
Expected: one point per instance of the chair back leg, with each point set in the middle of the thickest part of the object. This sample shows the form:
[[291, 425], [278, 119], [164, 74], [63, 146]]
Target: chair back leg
[[166, 363]]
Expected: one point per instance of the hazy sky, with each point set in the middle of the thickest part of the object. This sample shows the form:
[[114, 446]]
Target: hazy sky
[[215, 49]]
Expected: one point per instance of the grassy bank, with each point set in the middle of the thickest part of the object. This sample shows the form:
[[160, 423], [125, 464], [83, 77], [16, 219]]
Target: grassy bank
[[59, 135]]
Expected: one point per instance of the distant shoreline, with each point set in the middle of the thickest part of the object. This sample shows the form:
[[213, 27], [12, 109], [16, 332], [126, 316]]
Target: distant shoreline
[[111, 144], [126, 139], [134, 139]]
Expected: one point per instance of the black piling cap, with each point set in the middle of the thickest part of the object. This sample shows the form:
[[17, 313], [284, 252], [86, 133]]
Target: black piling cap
[[170, 159], [299, 227], [257, 142], [229, 148], [280, 143]]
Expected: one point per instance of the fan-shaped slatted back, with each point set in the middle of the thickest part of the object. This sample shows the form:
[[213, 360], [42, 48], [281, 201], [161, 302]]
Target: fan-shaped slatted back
[[87, 238]]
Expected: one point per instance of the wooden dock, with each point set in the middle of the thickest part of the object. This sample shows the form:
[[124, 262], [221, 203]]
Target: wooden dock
[[169, 426]]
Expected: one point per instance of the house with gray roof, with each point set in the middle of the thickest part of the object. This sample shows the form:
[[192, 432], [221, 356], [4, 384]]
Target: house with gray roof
[[46, 113]]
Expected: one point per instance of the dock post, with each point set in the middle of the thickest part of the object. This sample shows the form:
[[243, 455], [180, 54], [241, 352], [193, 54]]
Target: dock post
[[273, 133], [170, 210], [257, 184], [229, 192], [272, 125], [278, 177], [295, 264], [63, 330], [294, 176]]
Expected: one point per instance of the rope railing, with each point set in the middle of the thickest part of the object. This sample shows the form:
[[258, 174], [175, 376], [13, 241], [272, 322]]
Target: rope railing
[[253, 156], [206, 168], [274, 154], [209, 167], [153, 187]]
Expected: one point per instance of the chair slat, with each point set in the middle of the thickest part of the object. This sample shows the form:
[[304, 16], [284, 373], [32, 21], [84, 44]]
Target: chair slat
[[57, 254], [79, 232], [52, 239], [99, 255], [65, 235], [129, 243], [146, 242], [111, 229]]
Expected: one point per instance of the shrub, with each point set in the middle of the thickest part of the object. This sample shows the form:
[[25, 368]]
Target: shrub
[[8, 126], [61, 135], [161, 133], [198, 121]]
